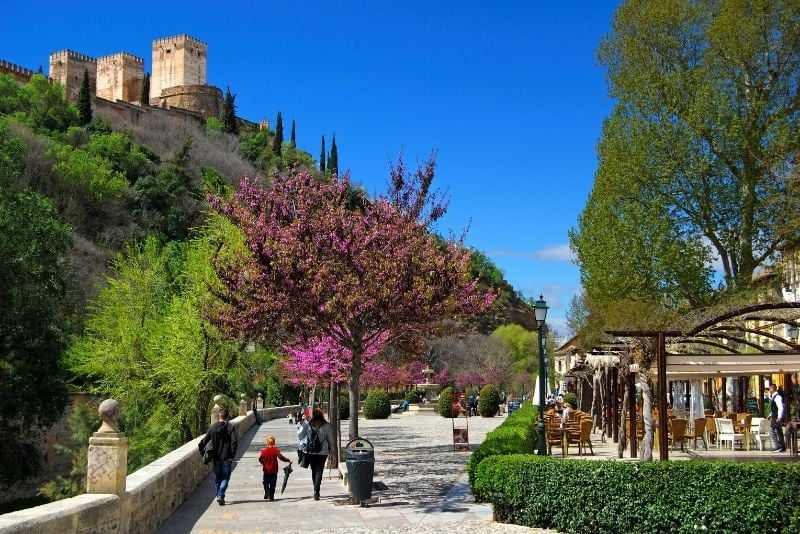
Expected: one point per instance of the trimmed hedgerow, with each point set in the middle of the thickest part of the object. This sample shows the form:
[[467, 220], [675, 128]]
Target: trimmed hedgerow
[[446, 402], [516, 435], [489, 401], [681, 497], [377, 405]]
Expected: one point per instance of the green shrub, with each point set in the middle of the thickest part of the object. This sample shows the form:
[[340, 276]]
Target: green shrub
[[344, 406], [377, 405], [489, 401], [572, 399], [414, 396], [446, 402], [516, 435], [683, 497]]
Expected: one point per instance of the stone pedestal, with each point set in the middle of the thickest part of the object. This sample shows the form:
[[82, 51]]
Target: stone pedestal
[[243, 405], [259, 402], [107, 463], [215, 410]]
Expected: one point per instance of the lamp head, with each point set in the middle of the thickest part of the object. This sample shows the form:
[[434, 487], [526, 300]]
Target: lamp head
[[540, 311]]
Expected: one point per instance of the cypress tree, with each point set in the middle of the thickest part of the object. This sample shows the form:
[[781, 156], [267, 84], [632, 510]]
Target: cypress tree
[[322, 156], [85, 100], [229, 124], [292, 138], [333, 159], [144, 94], [276, 144]]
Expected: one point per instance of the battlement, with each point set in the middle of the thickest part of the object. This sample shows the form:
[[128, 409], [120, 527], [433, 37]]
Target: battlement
[[8, 67], [69, 54], [121, 55], [181, 37]]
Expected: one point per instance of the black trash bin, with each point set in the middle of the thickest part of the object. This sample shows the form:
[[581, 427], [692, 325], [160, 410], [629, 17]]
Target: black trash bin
[[359, 454]]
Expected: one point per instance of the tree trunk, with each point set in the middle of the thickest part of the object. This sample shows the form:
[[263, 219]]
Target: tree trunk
[[646, 452], [623, 420], [333, 414], [352, 390]]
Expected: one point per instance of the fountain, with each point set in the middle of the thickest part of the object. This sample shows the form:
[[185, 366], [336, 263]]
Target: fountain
[[430, 388]]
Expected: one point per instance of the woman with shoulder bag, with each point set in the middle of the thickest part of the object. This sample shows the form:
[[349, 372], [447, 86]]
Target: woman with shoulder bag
[[317, 434]]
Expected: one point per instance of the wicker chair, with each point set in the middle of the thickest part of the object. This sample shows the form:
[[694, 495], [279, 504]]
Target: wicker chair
[[677, 432], [699, 432]]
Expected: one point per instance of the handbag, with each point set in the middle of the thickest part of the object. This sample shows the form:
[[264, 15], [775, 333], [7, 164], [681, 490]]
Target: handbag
[[302, 458]]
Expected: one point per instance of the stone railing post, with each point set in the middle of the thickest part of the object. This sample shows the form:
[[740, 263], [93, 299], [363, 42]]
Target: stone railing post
[[243, 404], [215, 410], [108, 454], [259, 402]]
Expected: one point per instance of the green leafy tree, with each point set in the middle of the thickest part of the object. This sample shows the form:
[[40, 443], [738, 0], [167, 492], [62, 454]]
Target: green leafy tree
[[85, 100], [277, 143], [229, 123], [322, 156], [84, 171], [46, 107], [149, 344], [144, 92], [33, 244], [333, 159], [695, 156], [122, 154]]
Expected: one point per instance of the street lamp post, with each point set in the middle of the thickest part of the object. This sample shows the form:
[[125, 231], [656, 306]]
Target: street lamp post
[[540, 311]]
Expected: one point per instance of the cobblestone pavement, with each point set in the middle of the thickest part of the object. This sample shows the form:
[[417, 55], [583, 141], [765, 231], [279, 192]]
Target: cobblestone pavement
[[420, 483]]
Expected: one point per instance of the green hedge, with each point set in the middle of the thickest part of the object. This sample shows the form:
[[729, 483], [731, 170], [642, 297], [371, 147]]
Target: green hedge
[[572, 399], [607, 496], [515, 436], [377, 405], [489, 401], [446, 402], [414, 396]]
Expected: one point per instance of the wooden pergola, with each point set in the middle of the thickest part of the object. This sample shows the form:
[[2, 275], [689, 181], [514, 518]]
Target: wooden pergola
[[734, 344]]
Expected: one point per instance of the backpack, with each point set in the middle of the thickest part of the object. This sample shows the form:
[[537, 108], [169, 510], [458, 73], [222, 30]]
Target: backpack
[[314, 443]]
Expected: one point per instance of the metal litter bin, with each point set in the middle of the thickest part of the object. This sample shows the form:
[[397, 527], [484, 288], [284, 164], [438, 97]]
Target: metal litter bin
[[359, 455]]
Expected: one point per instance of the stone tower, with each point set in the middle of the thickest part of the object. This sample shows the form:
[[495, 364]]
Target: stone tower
[[177, 61], [66, 67], [179, 77], [120, 77]]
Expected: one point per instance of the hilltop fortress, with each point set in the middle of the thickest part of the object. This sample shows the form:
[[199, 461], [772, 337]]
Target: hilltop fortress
[[177, 82]]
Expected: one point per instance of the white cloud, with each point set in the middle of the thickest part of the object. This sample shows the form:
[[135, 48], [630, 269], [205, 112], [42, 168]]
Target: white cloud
[[558, 253]]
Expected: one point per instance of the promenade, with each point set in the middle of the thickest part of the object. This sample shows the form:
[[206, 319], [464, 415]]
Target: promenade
[[420, 481]]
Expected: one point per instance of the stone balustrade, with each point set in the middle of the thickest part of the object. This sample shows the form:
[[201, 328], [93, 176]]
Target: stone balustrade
[[151, 494]]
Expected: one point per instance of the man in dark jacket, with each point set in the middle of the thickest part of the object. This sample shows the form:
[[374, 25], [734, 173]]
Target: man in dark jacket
[[222, 436]]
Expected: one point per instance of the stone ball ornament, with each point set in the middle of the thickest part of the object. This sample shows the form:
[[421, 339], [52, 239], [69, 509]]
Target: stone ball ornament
[[109, 411]]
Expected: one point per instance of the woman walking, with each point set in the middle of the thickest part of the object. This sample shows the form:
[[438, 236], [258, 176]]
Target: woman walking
[[318, 434]]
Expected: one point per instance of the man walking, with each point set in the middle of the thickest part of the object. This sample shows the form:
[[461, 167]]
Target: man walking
[[222, 436], [777, 411]]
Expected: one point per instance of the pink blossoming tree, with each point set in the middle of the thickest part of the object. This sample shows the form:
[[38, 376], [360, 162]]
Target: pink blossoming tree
[[326, 261]]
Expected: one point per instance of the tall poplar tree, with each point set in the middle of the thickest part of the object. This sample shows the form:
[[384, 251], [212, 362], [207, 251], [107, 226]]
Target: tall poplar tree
[[695, 158], [333, 160], [322, 156], [229, 124], [85, 100], [293, 137], [144, 93], [278, 141]]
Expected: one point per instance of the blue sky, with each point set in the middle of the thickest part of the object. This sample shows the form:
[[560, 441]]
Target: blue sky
[[509, 95]]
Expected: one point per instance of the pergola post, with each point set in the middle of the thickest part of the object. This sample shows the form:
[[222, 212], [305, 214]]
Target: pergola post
[[661, 370], [761, 395], [724, 394], [632, 410], [615, 402]]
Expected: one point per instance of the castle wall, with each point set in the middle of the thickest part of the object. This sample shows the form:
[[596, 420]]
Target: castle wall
[[21, 74], [120, 77], [177, 61], [66, 67], [203, 99]]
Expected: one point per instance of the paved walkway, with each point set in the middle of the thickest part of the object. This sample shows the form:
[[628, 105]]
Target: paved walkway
[[425, 482]]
